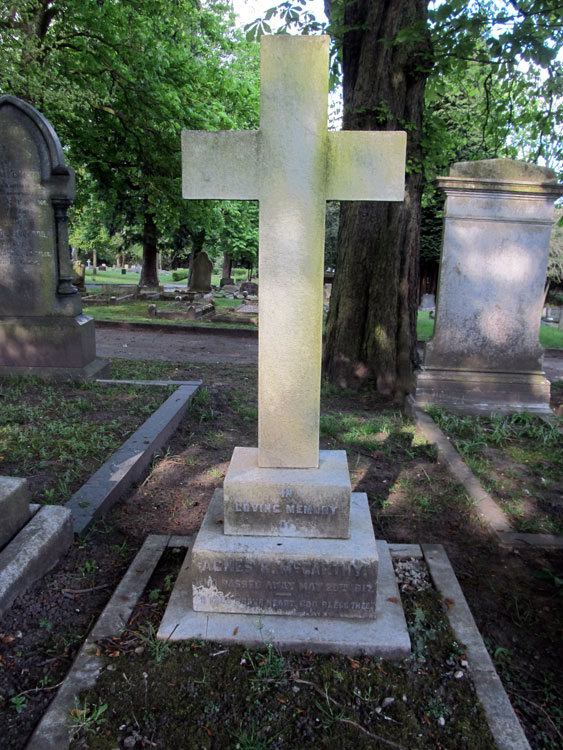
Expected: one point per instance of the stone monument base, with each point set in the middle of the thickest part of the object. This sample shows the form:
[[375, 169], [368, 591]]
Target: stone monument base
[[310, 503], [479, 392], [383, 633], [51, 347]]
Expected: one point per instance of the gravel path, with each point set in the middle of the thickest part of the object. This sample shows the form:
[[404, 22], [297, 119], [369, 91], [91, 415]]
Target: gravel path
[[187, 346]]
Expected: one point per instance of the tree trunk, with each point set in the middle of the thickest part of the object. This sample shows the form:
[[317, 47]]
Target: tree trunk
[[371, 327], [198, 238], [149, 272], [227, 266]]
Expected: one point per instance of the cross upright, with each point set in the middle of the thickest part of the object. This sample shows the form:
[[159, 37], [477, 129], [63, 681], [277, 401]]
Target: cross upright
[[292, 165]]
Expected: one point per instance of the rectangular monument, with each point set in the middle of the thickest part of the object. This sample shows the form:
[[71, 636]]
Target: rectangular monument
[[286, 540], [42, 328], [485, 354]]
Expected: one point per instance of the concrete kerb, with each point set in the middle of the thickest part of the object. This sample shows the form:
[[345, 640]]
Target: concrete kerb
[[128, 464], [502, 720], [488, 510], [53, 729], [37, 548]]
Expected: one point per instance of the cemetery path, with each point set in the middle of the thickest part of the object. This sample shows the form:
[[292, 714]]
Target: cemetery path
[[186, 346], [176, 346]]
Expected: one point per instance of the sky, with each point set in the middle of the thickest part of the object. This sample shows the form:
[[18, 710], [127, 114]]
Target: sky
[[248, 10]]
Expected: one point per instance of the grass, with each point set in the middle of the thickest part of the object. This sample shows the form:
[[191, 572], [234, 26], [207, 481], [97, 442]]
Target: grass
[[114, 276], [550, 337], [236, 697], [519, 458], [137, 312], [58, 434]]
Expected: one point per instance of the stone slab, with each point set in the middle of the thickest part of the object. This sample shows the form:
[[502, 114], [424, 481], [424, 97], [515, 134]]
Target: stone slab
[[127, 465], [284, 575], [385, 636], [14, 507], [53, 729], [502, 720], [479, 392], [310, 503], [34, 551]]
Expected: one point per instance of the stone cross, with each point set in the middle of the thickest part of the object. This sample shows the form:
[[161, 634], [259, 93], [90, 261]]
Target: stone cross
[[292, 166]]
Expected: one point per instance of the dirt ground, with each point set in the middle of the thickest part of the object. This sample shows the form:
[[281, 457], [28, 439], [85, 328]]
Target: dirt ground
[[513, 595]]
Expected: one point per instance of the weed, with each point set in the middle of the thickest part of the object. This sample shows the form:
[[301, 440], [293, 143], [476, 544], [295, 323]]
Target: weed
[[19, 703], [329, 717], [88, 569], [87, 718], [269, 667], [160, 649], [45, 624], [546, 575]]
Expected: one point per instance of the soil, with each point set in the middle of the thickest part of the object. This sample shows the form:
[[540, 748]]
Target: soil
[[514, 595]]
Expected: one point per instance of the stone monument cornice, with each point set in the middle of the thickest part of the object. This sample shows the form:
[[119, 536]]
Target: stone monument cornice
[[501, 188]]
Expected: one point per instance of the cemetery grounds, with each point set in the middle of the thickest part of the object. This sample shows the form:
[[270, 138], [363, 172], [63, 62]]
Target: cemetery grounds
[[204, 695]]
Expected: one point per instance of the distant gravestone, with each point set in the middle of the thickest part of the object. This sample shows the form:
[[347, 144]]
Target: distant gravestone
[[485, 354], [201, 273], [226, 281], [42, 328], [428, 302], [250, 287]]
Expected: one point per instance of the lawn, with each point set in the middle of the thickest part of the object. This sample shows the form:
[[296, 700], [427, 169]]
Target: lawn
[[229, 697], [550, 337]]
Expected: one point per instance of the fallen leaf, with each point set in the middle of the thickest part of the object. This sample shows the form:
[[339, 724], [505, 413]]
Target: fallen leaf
[[392, 599], [449, 603], [354, 664], [235, 631]]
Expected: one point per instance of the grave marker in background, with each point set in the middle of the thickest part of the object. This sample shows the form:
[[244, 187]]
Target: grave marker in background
[[42, 328], [485, 354]]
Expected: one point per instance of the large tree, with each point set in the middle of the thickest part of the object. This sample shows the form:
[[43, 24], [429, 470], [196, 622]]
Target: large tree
[[388, 51], [119, 79]]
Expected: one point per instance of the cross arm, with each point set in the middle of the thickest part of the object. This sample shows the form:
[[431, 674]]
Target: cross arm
[[220, 164], [366, 165]]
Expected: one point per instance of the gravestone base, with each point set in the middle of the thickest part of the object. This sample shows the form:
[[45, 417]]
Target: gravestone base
[[14, 507], [50, 347], [474, 392], [284, 575], [380, 630], [287, 502]]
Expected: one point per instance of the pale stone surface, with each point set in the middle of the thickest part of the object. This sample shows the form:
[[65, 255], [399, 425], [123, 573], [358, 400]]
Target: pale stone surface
[[42, 330], [286, 576], [14, 507], [497, 226], [386, 635], [292, 165], [287, 502]]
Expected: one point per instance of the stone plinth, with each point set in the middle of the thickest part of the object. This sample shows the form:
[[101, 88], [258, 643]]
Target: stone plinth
[[42, 329], [14, 507], [287, 502], [497, 224], [284, 576]]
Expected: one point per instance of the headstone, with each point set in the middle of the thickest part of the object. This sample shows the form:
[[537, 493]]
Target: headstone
[[485, 354], [42, 329], [79, 275], [286, 536], [250, 287], [226, 281], [201, 273], [428, 302]]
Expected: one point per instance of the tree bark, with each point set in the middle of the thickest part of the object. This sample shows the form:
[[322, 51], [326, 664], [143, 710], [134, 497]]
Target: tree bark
[[149, 271], [371, 327]]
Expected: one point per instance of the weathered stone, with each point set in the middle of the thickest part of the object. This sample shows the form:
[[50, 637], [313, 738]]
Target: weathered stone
[[292, 165], [42, 329], [14, 507], [226, 281], [280, 575], [287, 502], [428, 302], [201, 273], [497, 226]]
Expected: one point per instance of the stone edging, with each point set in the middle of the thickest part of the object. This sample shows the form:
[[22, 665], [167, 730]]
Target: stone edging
[[53, 730], [127, 464], [489, 511], [174, 328]]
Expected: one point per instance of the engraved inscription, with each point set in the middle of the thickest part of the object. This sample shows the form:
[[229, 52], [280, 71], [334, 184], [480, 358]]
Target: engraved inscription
[[289, 509]]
